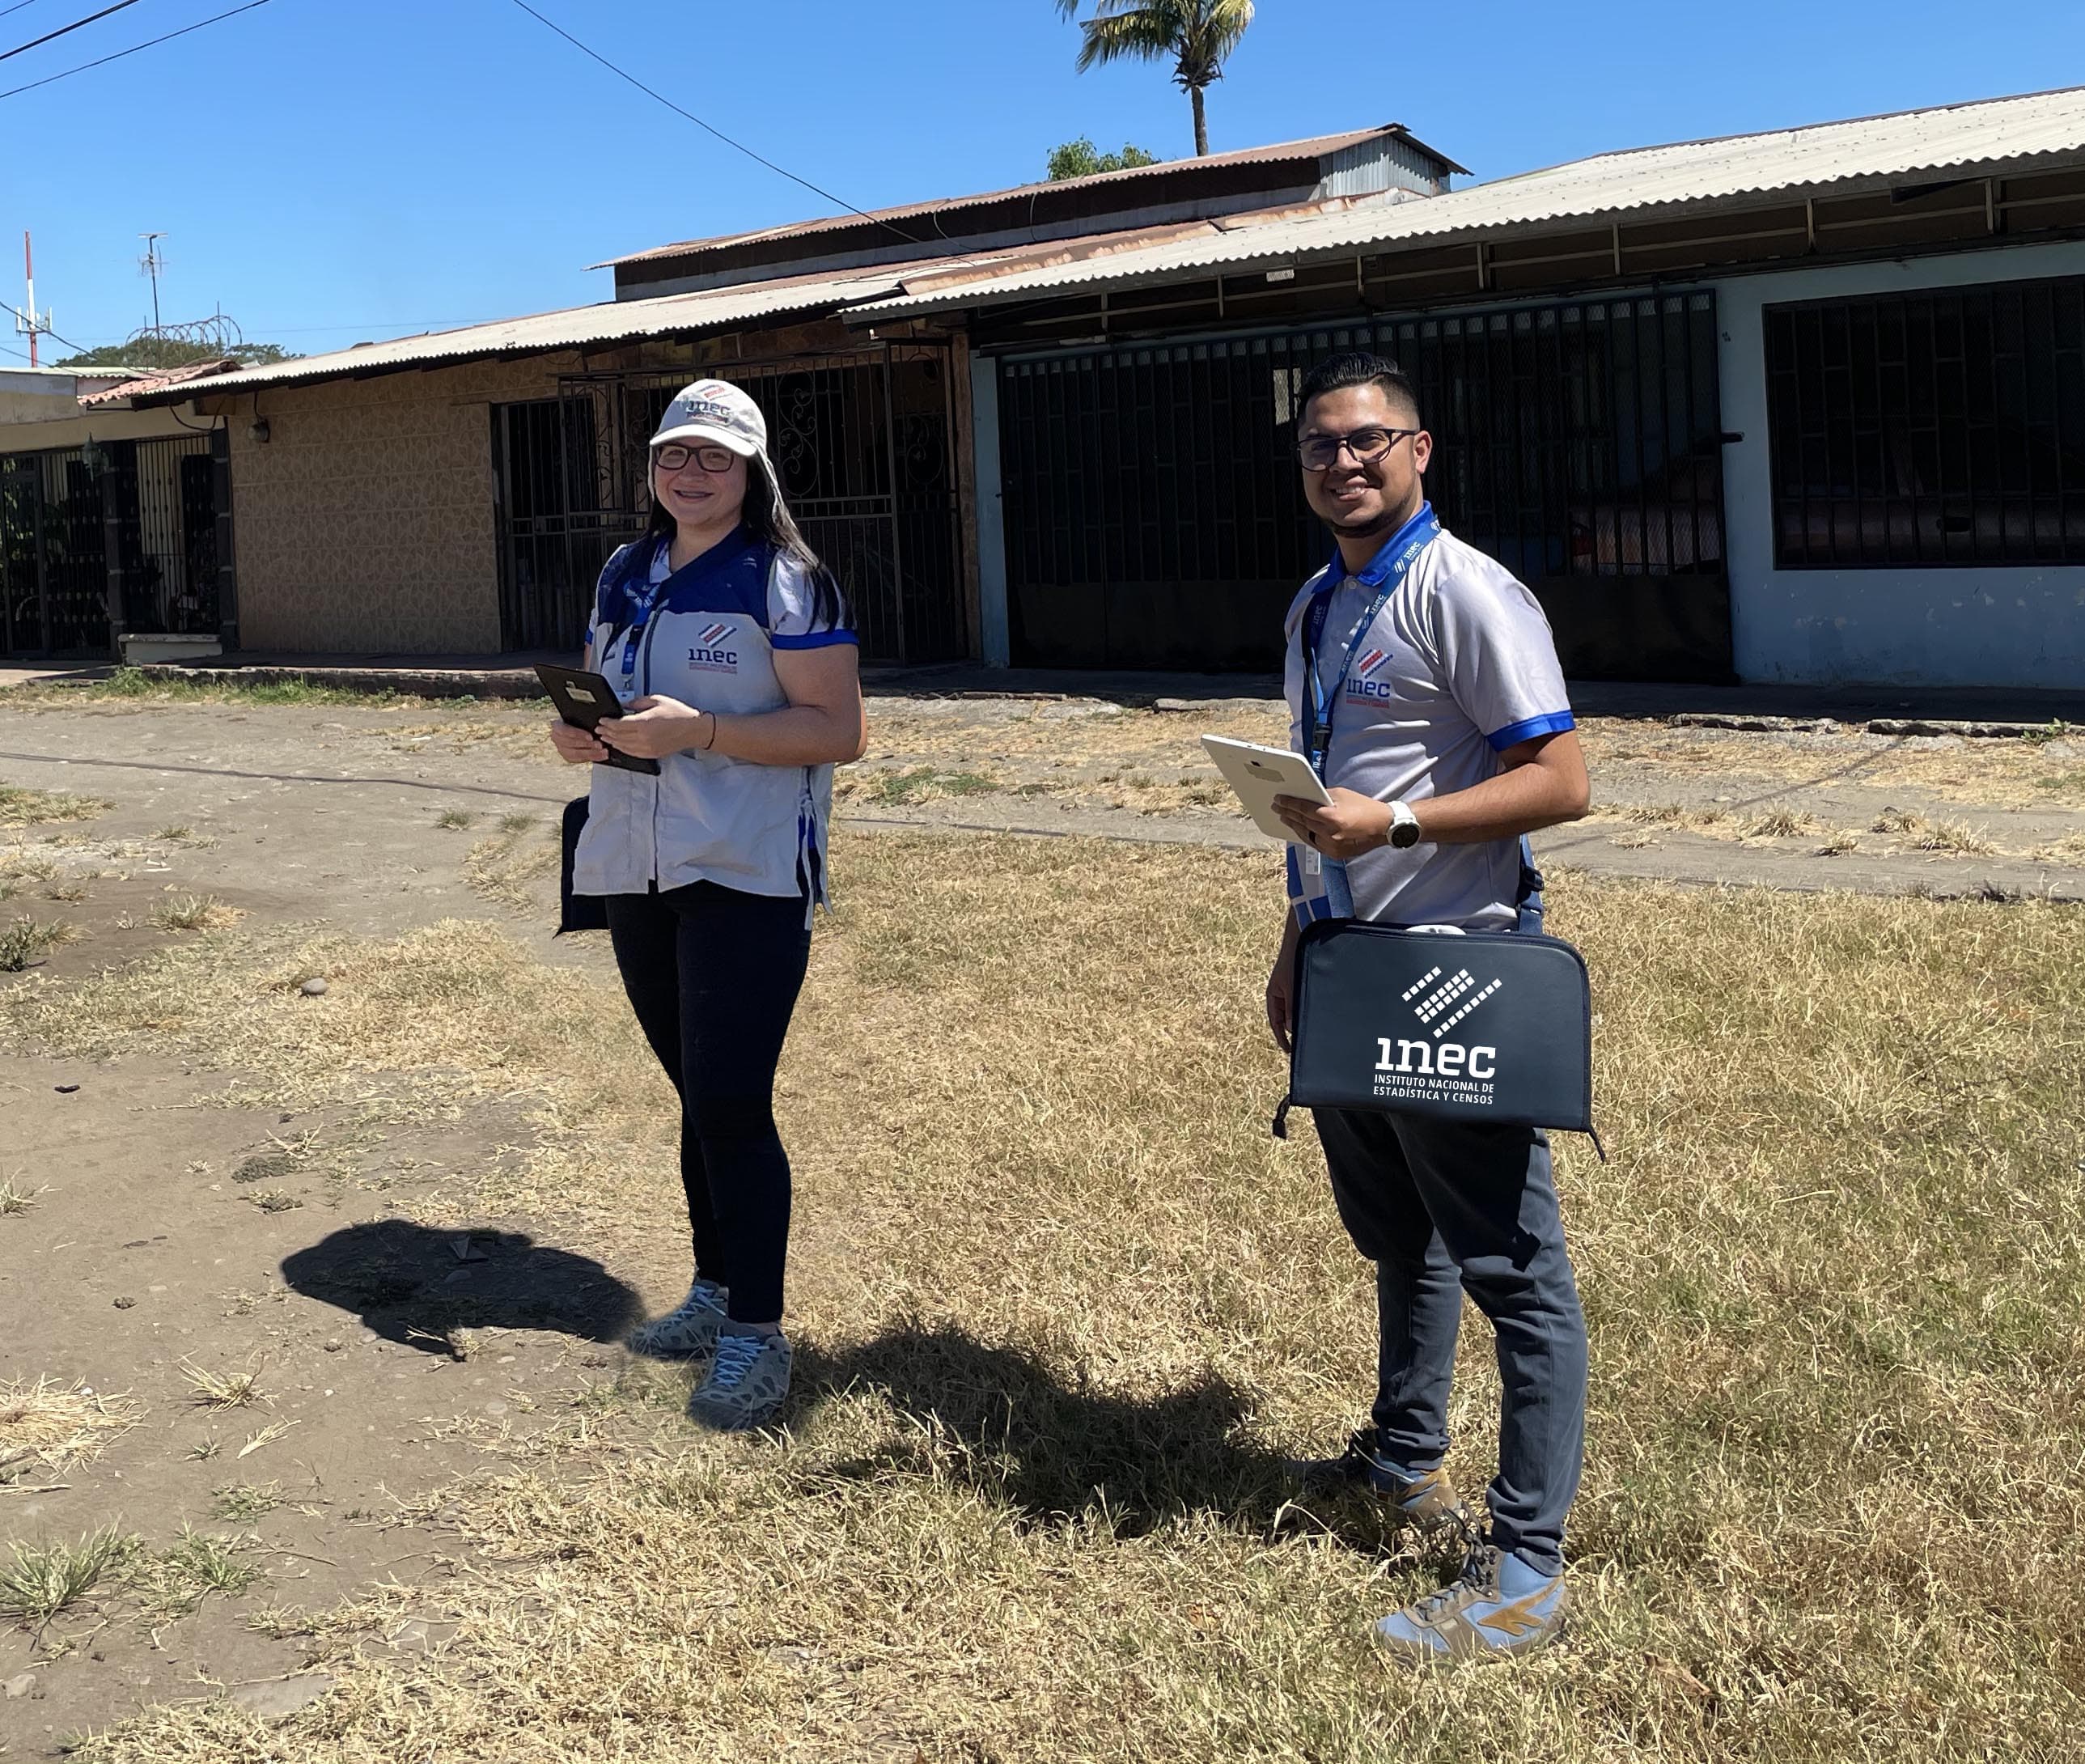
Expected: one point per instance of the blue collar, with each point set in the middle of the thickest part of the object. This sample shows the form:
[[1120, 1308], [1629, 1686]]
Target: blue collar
[[1371, 574]]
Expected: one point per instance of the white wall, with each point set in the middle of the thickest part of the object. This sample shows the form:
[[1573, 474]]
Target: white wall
[[2021, 626]]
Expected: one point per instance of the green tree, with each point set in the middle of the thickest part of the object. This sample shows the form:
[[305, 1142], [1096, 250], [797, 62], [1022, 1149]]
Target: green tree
[[158, 353], [1081, 159], [1196, 35]]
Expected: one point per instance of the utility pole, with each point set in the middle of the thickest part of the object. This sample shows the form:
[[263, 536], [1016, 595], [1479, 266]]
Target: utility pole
[[152, 263], [29, 320]]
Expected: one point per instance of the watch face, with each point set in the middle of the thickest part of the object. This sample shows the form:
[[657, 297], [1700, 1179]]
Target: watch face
[[1405, 835]]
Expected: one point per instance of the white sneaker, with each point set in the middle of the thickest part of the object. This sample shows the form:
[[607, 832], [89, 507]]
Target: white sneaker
[[747, 1381], [689, 1329]]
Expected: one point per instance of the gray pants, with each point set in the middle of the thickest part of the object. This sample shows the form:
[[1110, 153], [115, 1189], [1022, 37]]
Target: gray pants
[[1443, 1207]]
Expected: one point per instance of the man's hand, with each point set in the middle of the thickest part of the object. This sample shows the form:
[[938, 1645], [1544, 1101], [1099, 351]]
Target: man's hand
[[1344, 828], [575, 747], [1281, 987], [652, 728]]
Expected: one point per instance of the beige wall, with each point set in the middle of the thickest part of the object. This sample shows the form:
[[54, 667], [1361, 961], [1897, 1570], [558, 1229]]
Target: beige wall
[[364, 523]]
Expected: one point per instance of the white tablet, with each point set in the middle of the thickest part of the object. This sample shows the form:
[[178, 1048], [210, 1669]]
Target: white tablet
[[1259, 775]]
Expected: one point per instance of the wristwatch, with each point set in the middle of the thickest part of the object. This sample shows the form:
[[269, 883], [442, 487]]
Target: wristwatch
[[1403, 827]]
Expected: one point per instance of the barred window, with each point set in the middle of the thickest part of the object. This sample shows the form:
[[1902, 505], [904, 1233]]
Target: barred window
[[1941, 427]]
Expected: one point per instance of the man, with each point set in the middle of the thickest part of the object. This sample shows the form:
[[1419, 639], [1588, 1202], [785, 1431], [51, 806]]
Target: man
[[1450, 737]]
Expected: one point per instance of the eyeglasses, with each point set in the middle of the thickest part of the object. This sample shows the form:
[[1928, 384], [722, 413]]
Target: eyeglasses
[[1321, 453], [673, 456]]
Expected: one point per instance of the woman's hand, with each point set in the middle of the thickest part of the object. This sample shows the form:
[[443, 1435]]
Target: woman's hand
[[652, 728], [575, 747]]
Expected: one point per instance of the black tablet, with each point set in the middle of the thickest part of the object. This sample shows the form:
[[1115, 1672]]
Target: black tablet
[[583, 700]]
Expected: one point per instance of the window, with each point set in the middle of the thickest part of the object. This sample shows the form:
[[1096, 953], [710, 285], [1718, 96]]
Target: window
[[1943, 428]]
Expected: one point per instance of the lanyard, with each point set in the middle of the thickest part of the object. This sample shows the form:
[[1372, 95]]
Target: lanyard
[[1385, 572], [640, 615]]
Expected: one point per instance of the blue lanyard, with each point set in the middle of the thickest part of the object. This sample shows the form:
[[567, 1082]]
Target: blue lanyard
[[1385, 572], [640, 615]]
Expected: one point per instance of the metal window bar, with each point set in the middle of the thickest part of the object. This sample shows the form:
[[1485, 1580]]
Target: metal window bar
[[60, 511], [1946, 427]]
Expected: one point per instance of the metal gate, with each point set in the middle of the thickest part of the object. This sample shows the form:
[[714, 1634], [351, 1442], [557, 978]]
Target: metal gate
[[864, 445], [1154, 510], [127, 526]]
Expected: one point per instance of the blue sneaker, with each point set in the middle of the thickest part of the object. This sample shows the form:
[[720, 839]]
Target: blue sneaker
[[689, 1330], [1498, 1606], [747, 1380], [1427, 1501]]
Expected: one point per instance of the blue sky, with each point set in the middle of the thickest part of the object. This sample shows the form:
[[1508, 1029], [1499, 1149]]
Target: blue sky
[[333, 170]]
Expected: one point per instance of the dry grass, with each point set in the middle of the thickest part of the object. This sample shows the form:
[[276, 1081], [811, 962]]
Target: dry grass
[[216, 1390], [507, 866], [197, 912], [40, 1580], [20, 806], [47, 1427], [2009, 773], [14, 1199], [1073, 1302], [27, 941]]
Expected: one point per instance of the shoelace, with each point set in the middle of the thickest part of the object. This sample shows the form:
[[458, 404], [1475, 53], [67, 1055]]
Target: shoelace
[[1470, 1579], [735, 1355]]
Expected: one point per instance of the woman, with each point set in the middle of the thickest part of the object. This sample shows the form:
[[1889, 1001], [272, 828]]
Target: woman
[[729, 646]]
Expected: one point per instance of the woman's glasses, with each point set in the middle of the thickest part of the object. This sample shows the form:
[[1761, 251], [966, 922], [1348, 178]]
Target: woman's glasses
[[672, 456], [1320, 452]]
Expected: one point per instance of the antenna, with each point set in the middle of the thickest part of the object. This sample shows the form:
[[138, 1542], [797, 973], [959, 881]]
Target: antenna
[[152, 264], [28, 321]]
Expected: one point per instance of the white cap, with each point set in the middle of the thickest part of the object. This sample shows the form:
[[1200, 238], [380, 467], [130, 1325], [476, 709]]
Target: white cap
[[714, 410]]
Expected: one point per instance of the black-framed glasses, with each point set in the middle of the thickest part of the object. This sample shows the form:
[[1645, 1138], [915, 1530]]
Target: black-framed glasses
[[672, 456], [1321, 453]]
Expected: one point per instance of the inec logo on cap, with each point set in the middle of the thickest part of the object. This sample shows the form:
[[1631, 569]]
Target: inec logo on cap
[[715, 408], [1430, 1067], [711, 651]]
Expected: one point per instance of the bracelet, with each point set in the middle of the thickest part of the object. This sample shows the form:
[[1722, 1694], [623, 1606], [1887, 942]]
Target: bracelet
[[711, 741]]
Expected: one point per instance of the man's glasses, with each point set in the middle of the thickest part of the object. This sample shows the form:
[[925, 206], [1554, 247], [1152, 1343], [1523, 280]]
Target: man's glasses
[[1321, 453], [672, 456]]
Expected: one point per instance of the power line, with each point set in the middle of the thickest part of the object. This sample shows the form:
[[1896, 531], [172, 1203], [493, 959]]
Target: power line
[[781, 171], [4, 11], [184, 31], [65, 30]]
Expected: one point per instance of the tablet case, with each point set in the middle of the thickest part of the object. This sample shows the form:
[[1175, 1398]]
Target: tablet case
[[1491, 1025], [583, 700]]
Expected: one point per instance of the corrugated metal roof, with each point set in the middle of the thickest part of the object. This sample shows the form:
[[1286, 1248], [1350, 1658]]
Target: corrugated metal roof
[[1317, 147], [1687, 174], [610, 321]]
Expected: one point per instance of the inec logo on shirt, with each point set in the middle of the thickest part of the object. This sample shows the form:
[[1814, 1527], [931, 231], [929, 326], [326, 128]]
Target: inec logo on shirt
[[1363, 687], [710, 650], [1432, 1068]]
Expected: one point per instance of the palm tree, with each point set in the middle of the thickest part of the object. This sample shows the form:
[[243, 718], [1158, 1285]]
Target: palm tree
[[1197, 34]]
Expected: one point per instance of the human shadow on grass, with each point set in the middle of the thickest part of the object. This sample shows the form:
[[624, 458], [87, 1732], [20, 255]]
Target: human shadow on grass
[[416, 1285], [1017, 1431]]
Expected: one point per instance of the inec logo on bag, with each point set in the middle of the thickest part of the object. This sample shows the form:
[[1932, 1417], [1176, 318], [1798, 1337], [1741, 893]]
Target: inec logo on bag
[[711, 649], [1430, 1067], [1363, 688]]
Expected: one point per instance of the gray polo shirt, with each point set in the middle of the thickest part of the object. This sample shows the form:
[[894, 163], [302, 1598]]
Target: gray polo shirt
[[1458, 666]]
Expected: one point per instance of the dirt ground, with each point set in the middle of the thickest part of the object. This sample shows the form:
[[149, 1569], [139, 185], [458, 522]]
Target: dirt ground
[[166, 1224]]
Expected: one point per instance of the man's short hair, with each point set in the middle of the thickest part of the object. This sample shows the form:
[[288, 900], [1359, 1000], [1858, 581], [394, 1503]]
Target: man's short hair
[[1358, 367]]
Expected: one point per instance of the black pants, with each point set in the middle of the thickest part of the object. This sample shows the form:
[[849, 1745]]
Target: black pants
[[713, 976]]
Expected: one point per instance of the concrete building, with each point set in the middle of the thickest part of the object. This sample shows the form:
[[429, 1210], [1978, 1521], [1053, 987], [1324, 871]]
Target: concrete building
[[1806, 405]]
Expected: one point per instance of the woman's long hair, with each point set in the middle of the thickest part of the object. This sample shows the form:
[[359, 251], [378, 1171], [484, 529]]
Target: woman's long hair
[[766, 516]]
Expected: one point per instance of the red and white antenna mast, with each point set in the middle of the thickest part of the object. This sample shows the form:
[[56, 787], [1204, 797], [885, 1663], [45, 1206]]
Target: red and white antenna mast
[[28, 322]]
